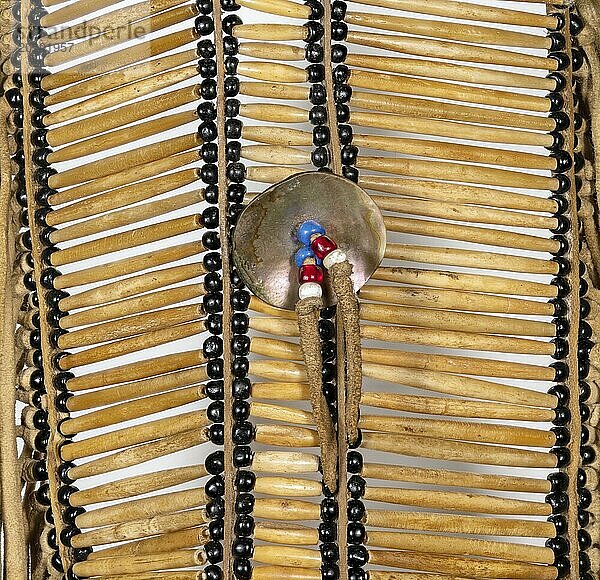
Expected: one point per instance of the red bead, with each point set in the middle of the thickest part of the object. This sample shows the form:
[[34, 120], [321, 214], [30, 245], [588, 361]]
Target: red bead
[[322, 246], [310, 273]]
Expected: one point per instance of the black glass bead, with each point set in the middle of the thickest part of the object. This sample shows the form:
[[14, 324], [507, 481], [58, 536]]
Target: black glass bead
[[213, 572], [342, 93], [317, 10], [320, 157], [64, 493], [559, 545], [56, 562], [584, 411], [321, 135], [328, 351], [215, 463], [236, 172], [233, 130], [49, 518], [243, 433], [561, 58], [585, 498], [212, 261], [338, 53], [216, 433], [230, 22], [339, 31], [562, 416], [585, 330], [588, 455], [231, 88], [215, 412], [326, 329], [328, 372], [36, 399], [240, 323], [584, 562], [206, 111], [204, 6], [349, 154], [62, 401], [577, 58], [35, 339], [562, 286], [561, 348], [241, 410], [240, 345], [563, 456], [584, 308], [358, 556], [356, 533], [356, 510], [563, 161], [318, 115], [314, 52], [242, 568], [578, 121], [242, 388], [39, 138], [244, 481], [557, 41], [243, 547], [230, 45], [40, 420], [559, 502], [213, 347], [327, 532], [36, 98], [244, 525], [329, 510], [330, 553], [584, 391], [42, 495], [37, 118], [14, 98], [342, 113], [240, 300], [560, 523], [314, 31], [236, 192], [318, 96], [561, 392], [355, 462], [214, 552], [231, 65], [67, 535], [315, 73], [216, 529], [39, 471], [214, 368], [240, 366], [244, 504], [563, 567], [561, 119], [233, 152], [213, 282], [563, 248], [584, 539], [210, 240], [357, 574], [330, 572], [242, 456], [204, 25], [208, 89], [559, 481], [210, 216], [208, 132], [356, 486]]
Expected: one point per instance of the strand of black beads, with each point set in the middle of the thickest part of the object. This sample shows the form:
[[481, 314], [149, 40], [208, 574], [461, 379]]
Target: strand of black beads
[[357, 554], [242, 429], [41, 172], [585, 344], [342, 91], [213, 282]]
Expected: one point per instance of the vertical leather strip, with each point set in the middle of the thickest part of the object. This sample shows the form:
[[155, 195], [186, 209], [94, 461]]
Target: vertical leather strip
[[229, 473], [53, 459], [572, 314]]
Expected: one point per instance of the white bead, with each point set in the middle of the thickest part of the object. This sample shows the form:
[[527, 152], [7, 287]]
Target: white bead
[[310, 290], [335, 257]]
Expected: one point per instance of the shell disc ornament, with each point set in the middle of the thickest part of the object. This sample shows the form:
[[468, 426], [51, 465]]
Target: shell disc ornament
[[265, 241]]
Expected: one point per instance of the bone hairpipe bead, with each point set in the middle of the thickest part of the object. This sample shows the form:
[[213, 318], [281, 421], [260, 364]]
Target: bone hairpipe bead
[[279, 8], [131, 73], [124, 196], [137, 370], [137, 485], [468, 11], [115, 60], [134, 305], [128, 216], [124, 177], [129, 391], [140, 454]]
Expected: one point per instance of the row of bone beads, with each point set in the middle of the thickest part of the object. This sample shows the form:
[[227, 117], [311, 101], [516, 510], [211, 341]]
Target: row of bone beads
[[123, 299], [392, 106]]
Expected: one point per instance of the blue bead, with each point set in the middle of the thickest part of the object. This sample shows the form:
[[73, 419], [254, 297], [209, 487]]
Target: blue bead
[[307, 229], [303, 254]]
